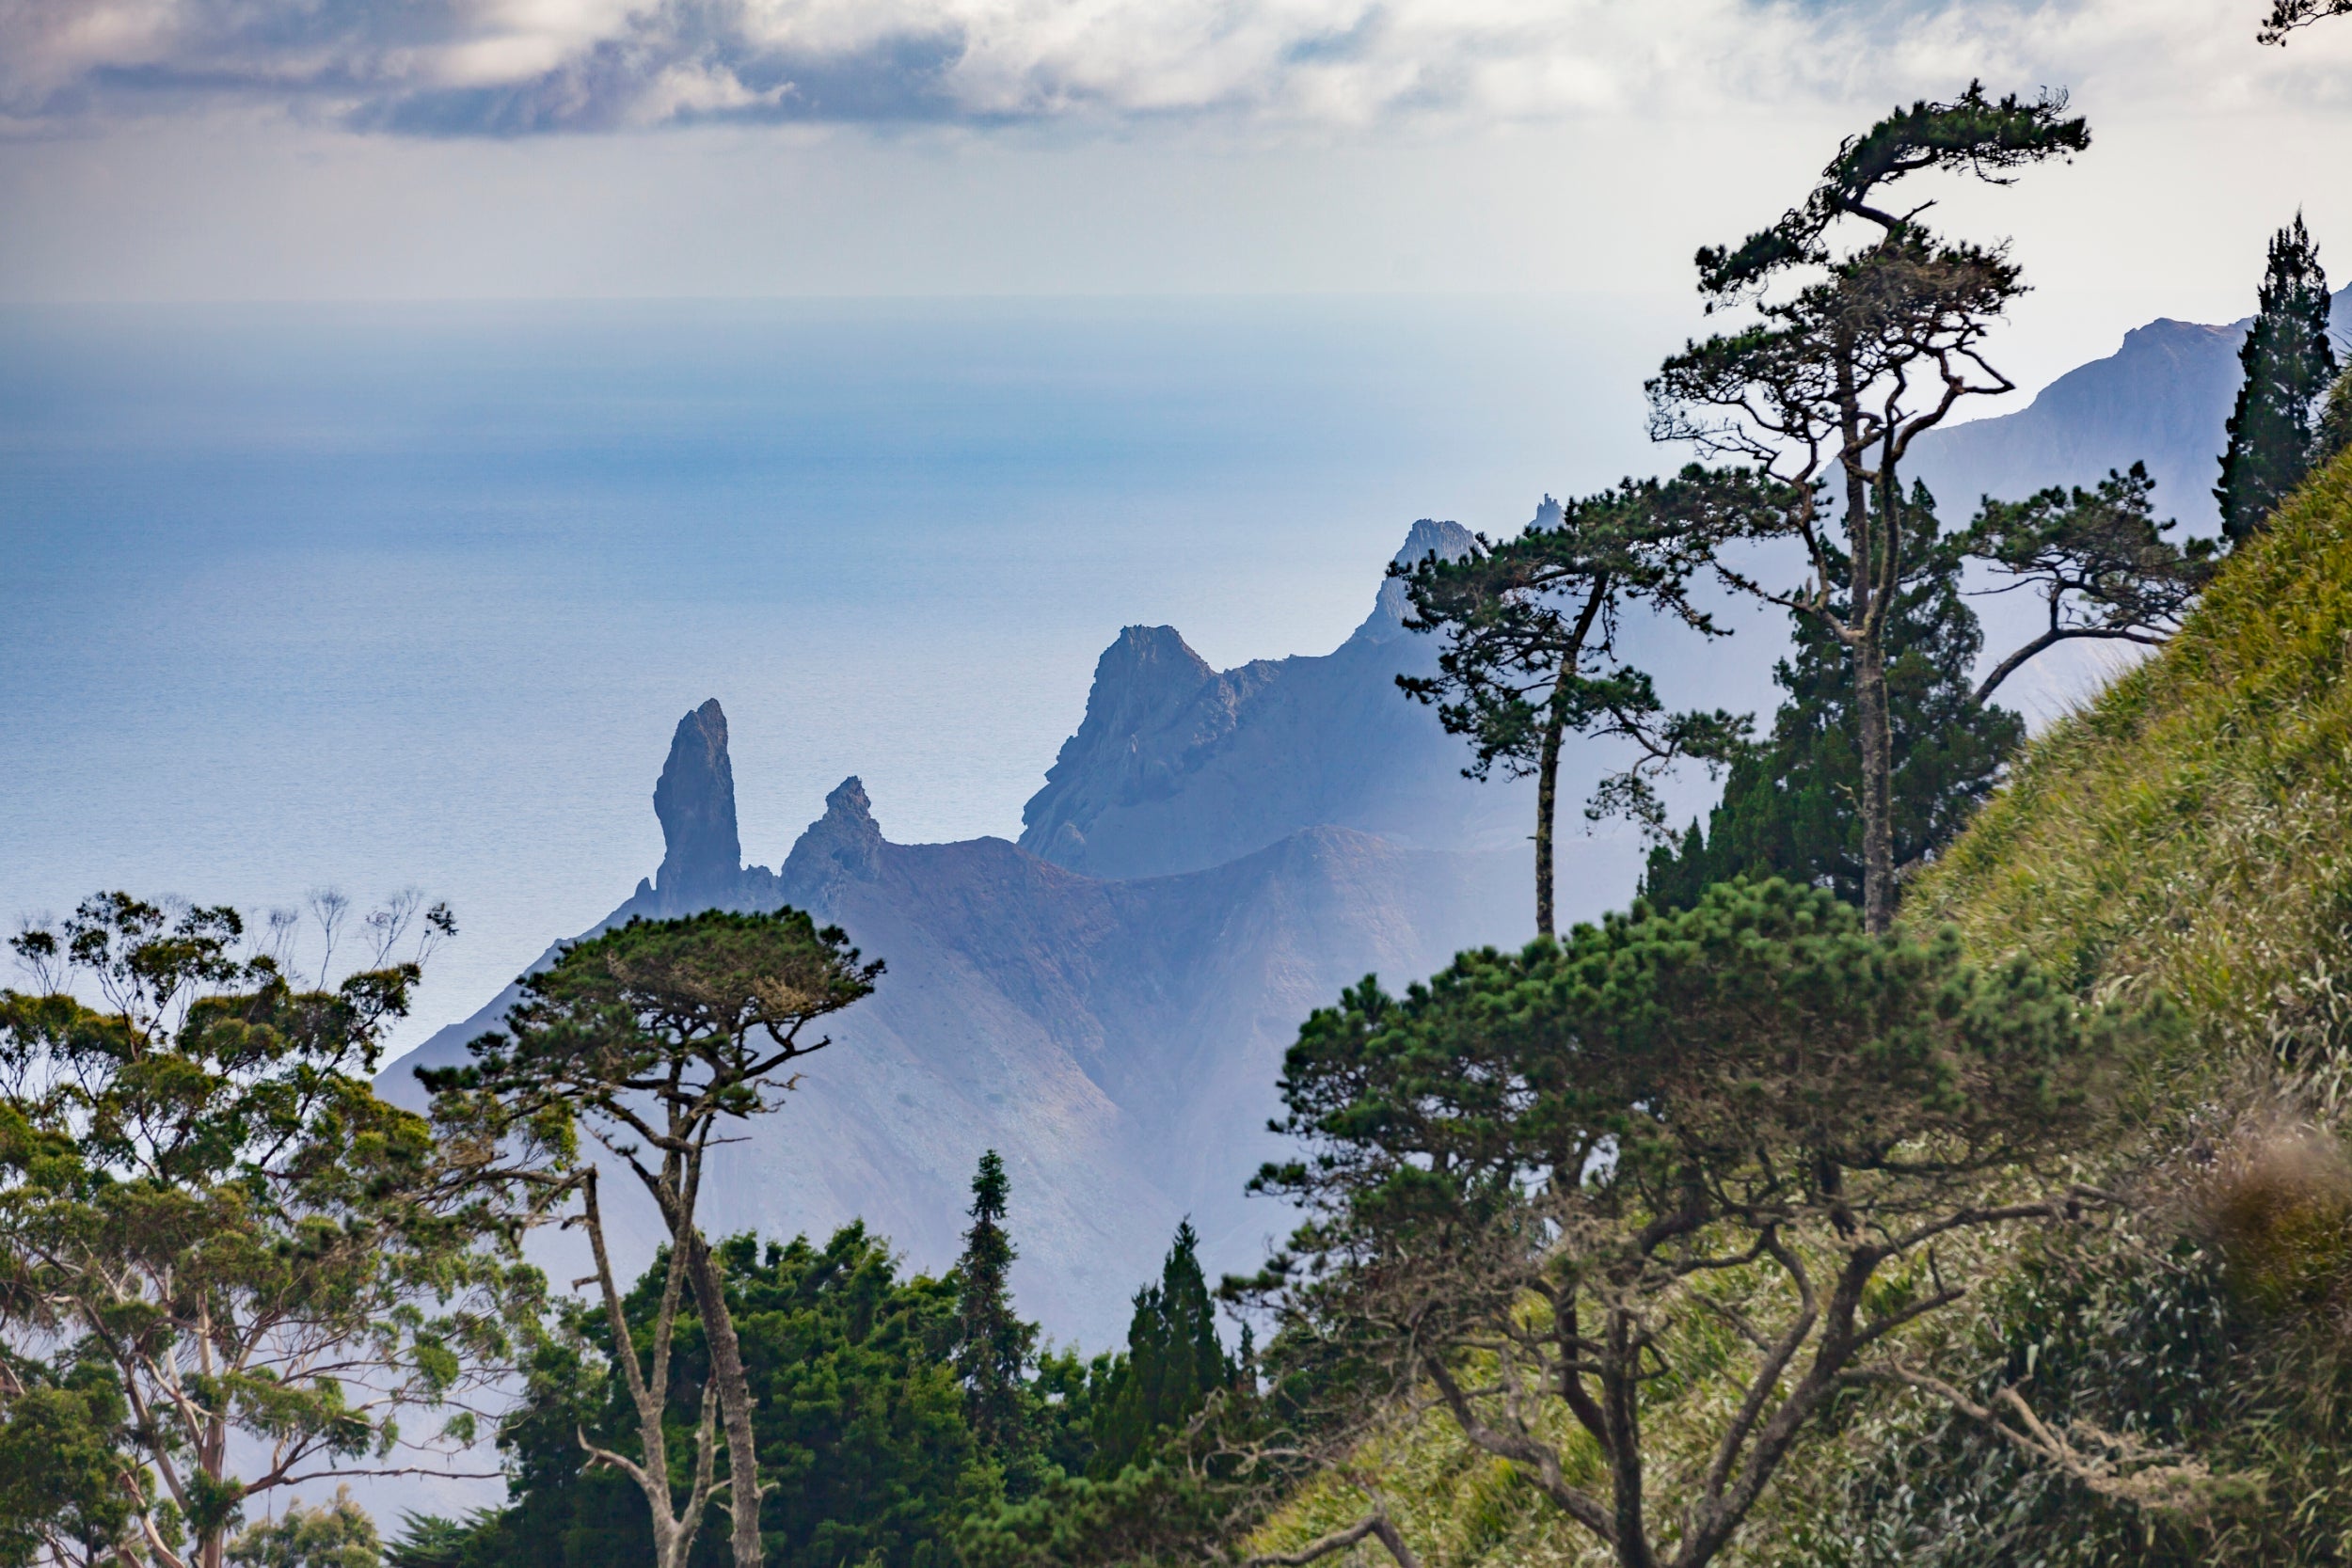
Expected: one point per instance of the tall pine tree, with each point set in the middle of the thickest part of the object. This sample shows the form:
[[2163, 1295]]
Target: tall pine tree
[[1174, 1361], [1790, 807], [992, 1344], [2288, 363]]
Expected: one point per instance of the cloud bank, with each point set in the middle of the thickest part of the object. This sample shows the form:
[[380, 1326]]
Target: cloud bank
[[518, 68]]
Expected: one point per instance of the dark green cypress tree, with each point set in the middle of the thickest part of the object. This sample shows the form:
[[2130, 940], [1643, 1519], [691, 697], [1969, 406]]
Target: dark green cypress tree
[[992, 1344], [1174, 1361], [1791, 805], [2289, 364]]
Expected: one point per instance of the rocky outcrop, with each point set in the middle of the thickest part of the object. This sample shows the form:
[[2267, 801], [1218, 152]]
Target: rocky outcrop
[[843, 845], [702, 859], [1178, 766]]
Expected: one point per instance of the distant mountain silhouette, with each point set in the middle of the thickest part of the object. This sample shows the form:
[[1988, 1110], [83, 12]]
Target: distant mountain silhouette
[[1115, 1037], [2164, 398], [1178, 766]]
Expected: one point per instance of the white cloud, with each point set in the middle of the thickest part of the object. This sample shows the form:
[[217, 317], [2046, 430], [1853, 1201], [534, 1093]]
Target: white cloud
[[518, 67]]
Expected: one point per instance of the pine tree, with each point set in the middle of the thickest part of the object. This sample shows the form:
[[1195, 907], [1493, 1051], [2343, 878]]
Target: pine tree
[[992, 1344], [1789, 807], [2289, 364], [1174, 1361]]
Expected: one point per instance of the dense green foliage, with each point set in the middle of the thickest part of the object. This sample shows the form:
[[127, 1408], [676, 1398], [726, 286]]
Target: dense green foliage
[[1790, 806], [870, 1443], [1174, 1362], [338, 1535], [861, 1425], [1533, 1181], [225, 1265], [653, 1036], [2288, 363]]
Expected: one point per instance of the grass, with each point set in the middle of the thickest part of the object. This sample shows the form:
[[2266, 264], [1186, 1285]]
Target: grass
[[2189, 829]]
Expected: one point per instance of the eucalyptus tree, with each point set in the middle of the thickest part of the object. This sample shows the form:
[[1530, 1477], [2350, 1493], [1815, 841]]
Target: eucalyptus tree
[[227, 1269], [1531, 626], [654, 1037], [1853, 355], [2098, 559]]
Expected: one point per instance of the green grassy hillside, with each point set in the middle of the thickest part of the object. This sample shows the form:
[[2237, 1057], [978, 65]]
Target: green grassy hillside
[[2188, 832], [2190, 828]]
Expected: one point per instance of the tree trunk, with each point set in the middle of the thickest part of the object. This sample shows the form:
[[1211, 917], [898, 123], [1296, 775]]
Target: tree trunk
[[1547, 805], [1548, 760], [735, 1400], [1878, 831]]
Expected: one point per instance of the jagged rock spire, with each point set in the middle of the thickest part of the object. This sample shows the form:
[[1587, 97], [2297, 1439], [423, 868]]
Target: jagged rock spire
[[843, 845], [702, 859]]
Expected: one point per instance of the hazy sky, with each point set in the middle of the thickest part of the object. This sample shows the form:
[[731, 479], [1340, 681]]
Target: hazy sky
[[383, 149]]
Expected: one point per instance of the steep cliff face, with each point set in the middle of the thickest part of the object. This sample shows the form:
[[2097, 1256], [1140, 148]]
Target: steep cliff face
[[1178, 766], [695, 800]]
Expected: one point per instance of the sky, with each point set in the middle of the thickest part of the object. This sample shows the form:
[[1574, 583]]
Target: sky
[[263, 150]]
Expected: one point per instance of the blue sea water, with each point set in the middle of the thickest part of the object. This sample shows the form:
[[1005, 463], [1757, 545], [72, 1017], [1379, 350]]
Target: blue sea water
[[371, 596]]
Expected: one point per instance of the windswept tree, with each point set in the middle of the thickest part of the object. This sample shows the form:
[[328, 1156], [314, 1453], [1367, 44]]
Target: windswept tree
[[227, 1269], [1703, 1158], [2098, 559], [993, 1347], [1790, 807], [2289, 364], [1853, 355], [1530, 628], [655, 1038]]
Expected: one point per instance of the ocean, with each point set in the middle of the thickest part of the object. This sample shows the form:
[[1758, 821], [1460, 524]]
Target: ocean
[[379, 597]]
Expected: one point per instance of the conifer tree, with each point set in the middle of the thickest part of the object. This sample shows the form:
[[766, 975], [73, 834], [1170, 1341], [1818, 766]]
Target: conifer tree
[[1855, 352], [992, 1344], [1174, 1360], [2288, 363], [1790, 807], [1530, 654]]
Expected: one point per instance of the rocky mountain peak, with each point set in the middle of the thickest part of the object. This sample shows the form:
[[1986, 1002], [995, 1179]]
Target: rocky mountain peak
[[702, 858], [1142, 683], [1447, 541], [844, 844]]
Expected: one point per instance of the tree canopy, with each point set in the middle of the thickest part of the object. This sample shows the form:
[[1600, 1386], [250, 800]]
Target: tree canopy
[[1531, 1181], [1852, 356], [1790, 806], [227, 1269], [2289, 363], [1530, 629], [653, 1036], [2098, 561]]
